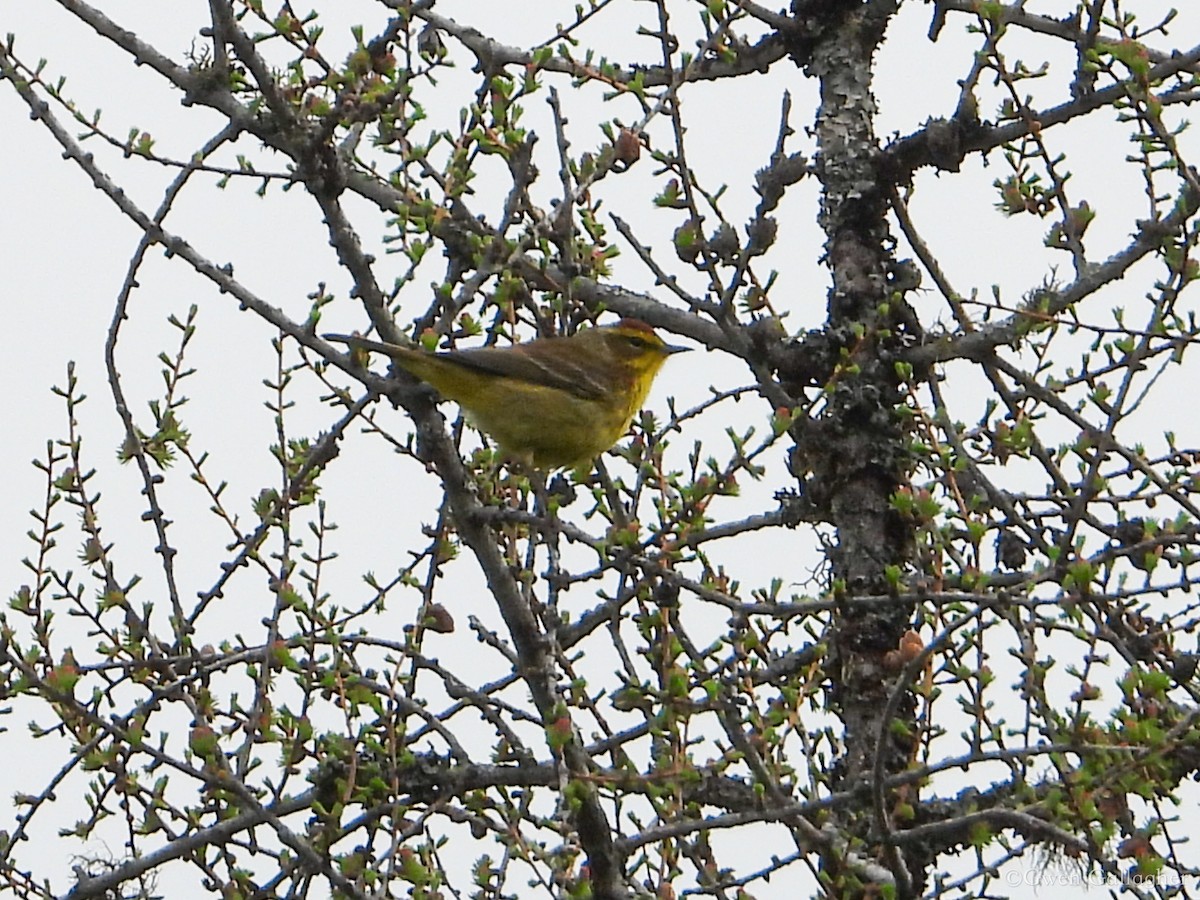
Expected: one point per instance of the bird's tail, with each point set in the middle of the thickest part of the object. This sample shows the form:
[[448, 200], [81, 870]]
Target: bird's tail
[[358, 342]]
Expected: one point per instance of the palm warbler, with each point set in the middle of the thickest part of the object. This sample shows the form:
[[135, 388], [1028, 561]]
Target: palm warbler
[[552, 402]]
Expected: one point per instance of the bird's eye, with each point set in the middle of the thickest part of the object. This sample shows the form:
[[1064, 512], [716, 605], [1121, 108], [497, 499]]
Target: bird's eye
[[640, 342]]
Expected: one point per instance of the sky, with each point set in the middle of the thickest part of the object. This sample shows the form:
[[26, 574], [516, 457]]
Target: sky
[[67, 251]]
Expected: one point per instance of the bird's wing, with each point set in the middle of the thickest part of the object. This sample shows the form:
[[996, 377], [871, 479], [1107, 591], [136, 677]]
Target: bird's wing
[[560, 372]]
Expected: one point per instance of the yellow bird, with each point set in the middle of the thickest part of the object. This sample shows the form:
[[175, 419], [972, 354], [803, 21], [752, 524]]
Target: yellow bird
[[551, 402]]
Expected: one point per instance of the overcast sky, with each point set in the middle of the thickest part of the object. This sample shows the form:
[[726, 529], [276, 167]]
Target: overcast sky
[[66, 251]]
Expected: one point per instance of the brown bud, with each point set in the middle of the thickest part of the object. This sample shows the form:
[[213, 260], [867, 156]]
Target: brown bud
[[438, 619], [626, 149]]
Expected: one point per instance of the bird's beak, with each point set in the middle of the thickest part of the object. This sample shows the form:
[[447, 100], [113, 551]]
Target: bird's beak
[[674, 348]]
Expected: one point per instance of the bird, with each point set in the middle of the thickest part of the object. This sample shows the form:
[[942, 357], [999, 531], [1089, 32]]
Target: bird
[[553, 402]]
